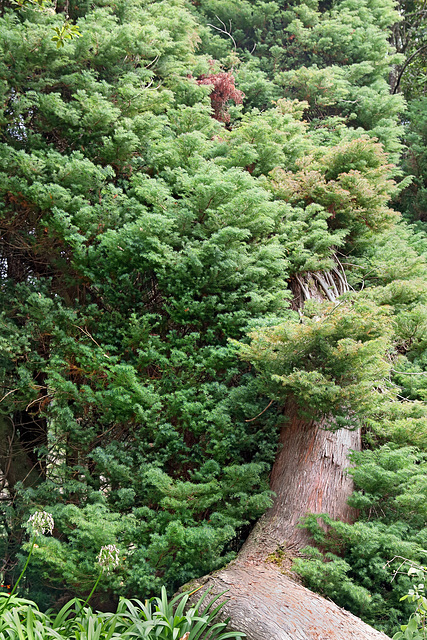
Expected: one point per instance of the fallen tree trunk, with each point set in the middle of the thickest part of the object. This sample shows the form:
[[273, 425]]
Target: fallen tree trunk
[[309, 476]]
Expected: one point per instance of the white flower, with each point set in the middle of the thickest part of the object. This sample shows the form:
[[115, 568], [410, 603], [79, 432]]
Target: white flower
[[40, 522], [108, 557]]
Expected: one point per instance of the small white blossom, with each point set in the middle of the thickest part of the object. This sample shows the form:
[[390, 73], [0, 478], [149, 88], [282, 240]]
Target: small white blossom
[[108, 557], [40, 522]]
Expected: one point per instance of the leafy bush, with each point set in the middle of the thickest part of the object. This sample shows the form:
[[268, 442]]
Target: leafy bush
[[21, 619]]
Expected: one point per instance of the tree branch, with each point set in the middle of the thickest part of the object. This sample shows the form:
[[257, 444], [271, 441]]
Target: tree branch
[[401, 72]]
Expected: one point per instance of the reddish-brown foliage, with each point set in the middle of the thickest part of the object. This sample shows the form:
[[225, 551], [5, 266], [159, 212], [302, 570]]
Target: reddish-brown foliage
[[223, 91]]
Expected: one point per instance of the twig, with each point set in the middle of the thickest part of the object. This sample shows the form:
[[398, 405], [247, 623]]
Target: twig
[[408, 373], [404, 561], [224, 30], [305, 291], [329, 279], [260, 414], [38, 399], [152, 62], [405, 399], [8, 393], [403, 69], [9, 458], [325, 287], [86, 333]]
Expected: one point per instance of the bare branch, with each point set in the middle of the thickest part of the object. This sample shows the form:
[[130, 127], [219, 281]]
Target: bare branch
[[263, 411], [8, 393], [224, 30]]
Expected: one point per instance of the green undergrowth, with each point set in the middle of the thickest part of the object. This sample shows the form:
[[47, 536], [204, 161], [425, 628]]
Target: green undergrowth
[[160, 618]]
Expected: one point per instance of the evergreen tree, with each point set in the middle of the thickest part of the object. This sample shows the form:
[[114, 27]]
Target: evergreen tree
[[181, 179], [334, 55]]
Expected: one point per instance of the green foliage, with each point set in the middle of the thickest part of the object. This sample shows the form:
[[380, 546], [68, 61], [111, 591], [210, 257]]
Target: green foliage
[[199, 621], [349, 184], [335, 56], [140, 235], [156, 618], [391, 483], [141, 250], [329, 575], [23, 620], [413, 201], [66, 32], [317, 362], [416, 627]]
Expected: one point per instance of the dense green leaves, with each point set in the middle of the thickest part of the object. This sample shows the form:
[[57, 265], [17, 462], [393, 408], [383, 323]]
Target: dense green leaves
[[329, 362], [133, 250], [158, 617]]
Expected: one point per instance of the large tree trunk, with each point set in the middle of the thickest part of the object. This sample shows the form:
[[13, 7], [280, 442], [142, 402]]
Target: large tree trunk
[[267, 605], [309, 476]]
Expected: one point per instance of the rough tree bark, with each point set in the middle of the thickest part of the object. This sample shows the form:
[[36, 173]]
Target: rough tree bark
[[308, 476], [267, 605]]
